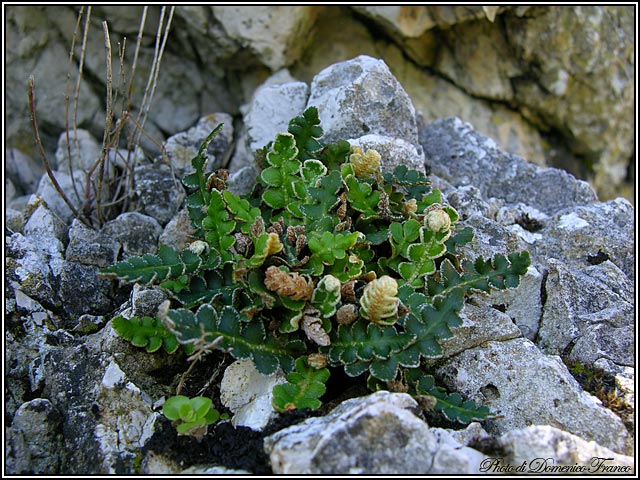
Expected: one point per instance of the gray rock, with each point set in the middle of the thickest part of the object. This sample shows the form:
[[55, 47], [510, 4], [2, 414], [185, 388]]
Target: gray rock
[[543, 447], [52, 198], [23, 171], [524, 303], [360, 97], [35, 267], [182, 147], [579, 79], [126, 421], [248, 394], [524, 386], [590, 234], [14, 219], [394, 151], [272, 33], [467, 200], [480, 323], [9, 190], [159, 191], [178, 232], [89, 247], [272, 108], [34, 443], [455, 152], [88, 324], [85, 151], [243, 181], [71, 381], [145, 301], [44, 228], [83, 292], [590, 311], [137, 233], [212, 470], [375, 434]]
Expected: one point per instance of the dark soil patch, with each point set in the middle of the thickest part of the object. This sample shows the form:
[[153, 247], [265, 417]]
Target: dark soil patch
[[225, 445]]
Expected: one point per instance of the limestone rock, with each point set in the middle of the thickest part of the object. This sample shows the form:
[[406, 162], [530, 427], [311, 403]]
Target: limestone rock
[[463, 157], [89, 247], [271, 33], [82, 291], [271, 109], [137, 233], [523, 385], [248, 394], [591, 234], [159, 191], [182, 147], [23, 171], [33, 440], [544, 448], [589, 310], [582, 82], [177, 233], [360, 97], [126, 420], [52, 198], [368, 435], [394, 151], [85, 151]]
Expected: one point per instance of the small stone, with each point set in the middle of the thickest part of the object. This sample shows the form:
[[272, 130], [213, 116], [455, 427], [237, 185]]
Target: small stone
[[89, 247], [248, 394], [137, 233], [85, 150], [360, 97], [159, 191], [83, 292], [34, 442]]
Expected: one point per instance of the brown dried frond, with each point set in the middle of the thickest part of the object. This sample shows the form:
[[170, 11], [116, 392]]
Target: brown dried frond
[[257, 227], [312, 326], [293, 232], [277, 227], [347, 314], [286, 284], [348, 292]]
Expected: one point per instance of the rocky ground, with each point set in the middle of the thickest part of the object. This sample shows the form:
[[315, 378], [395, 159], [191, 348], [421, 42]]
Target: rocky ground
[[553, 358]]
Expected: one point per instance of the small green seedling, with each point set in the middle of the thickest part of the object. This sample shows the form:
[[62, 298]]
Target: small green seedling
[[191, 416]]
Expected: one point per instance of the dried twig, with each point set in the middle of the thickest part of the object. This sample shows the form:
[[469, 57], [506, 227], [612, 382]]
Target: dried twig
[[66, 100], [47, 165]]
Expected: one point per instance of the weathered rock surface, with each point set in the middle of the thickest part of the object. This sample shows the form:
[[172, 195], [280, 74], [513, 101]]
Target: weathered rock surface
[[33, 440], [552, 84], [248, 394], [361, 97], [376, 434], [546, 449], [517, 381]]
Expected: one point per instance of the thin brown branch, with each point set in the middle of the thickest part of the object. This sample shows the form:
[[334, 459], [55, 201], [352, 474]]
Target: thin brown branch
[[66, 99], [47, 165]]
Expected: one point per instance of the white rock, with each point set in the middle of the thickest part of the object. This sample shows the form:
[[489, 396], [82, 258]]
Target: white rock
[[360, 97], [523, 385], [545, 448], [394, 151], [272, 108], [248, 394], [271, 32], [375, 434]]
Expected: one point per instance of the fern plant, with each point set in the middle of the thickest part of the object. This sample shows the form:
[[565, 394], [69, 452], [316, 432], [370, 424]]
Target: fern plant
[[327, 262]]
